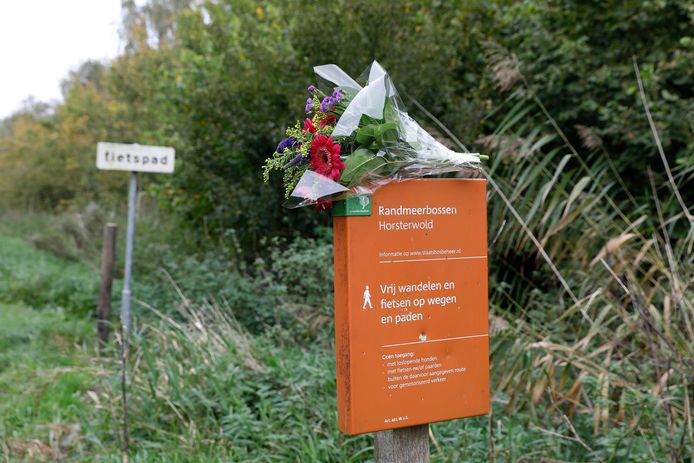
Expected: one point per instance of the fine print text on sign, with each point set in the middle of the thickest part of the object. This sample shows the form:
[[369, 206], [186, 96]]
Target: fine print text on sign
[[135, 158], [411, 306]]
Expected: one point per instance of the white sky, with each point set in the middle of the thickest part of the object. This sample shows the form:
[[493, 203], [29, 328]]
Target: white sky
[[42, 40]]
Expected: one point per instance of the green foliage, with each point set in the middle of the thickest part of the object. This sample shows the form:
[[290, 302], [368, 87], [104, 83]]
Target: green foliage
[[291, 288], [44, 384], [590, 88], [305, 268], [589, 330], [37, 279], [360, 164], [374, 136], [219, 81]]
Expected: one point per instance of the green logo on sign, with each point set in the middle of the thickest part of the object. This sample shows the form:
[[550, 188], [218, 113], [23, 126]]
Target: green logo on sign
[[356, 205]]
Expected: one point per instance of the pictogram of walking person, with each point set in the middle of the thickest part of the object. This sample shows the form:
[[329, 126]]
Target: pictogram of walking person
[[367, 298]]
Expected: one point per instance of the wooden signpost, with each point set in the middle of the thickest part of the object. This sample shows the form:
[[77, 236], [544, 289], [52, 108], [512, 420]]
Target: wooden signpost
[[411, 308], [108, 259], [131, 158]]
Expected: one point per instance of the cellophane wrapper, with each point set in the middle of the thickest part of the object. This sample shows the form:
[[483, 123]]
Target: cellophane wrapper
[[408, 151]]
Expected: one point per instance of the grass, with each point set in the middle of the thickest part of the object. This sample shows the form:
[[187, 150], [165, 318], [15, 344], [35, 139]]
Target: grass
[[46, 371], [45, 379], [202, 388], [40, 279], [597, 285]]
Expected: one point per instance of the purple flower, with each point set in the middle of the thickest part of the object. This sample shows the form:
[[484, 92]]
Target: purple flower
[[286, 143], [297, 159], [326, 103], [337, 95], [311, 88], [309, 105]]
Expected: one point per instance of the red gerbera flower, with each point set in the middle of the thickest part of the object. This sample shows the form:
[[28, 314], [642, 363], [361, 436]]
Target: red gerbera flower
[[325, 157], [308, 126]]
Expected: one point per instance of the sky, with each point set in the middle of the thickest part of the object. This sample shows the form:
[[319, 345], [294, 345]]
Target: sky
[[42, 40]]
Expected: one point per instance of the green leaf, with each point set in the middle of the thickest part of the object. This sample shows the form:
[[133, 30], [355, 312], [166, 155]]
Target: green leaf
[[389, 112], [359, 165], [365, 135], [386, 132]]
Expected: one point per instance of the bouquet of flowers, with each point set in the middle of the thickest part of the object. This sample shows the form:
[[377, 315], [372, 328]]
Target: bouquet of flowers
[[356, 137]]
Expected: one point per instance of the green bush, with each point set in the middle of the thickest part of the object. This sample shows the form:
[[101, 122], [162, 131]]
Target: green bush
[[223, 98], [291, 288]]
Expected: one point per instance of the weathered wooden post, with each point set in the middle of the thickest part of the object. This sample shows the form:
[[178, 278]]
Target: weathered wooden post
[[103, 310], [404, 445], [411, 331]]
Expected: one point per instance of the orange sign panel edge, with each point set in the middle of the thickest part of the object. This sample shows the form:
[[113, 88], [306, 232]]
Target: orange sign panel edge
[[343, 256]]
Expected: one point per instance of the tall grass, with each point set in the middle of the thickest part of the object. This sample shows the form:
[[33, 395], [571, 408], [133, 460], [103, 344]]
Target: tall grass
[[595, 286], [201, 384]]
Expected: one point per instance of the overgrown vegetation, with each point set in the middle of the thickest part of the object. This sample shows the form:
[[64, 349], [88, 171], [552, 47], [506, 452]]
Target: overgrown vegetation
[[203, 384], [216, 80], [590, 227]]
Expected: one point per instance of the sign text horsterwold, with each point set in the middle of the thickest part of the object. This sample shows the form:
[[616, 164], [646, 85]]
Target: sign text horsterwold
[[135, 158]]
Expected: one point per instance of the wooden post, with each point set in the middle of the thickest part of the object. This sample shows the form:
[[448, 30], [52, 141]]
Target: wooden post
[[404, 445], [103, 310]]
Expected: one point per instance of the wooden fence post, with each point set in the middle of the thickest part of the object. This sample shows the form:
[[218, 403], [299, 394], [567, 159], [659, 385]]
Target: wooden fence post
[[103, 310], [404, 445]]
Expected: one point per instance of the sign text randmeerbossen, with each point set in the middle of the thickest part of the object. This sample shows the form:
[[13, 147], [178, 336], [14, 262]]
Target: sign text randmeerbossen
[[426, 210]]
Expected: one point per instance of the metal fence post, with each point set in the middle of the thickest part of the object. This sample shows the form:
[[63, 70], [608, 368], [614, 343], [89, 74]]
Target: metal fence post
[[126, 317]]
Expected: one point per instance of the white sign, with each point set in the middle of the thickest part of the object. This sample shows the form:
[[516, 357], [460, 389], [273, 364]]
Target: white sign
[[135, 158]]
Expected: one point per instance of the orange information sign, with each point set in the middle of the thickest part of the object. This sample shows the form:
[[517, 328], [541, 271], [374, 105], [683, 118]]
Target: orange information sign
[[411, 306]]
